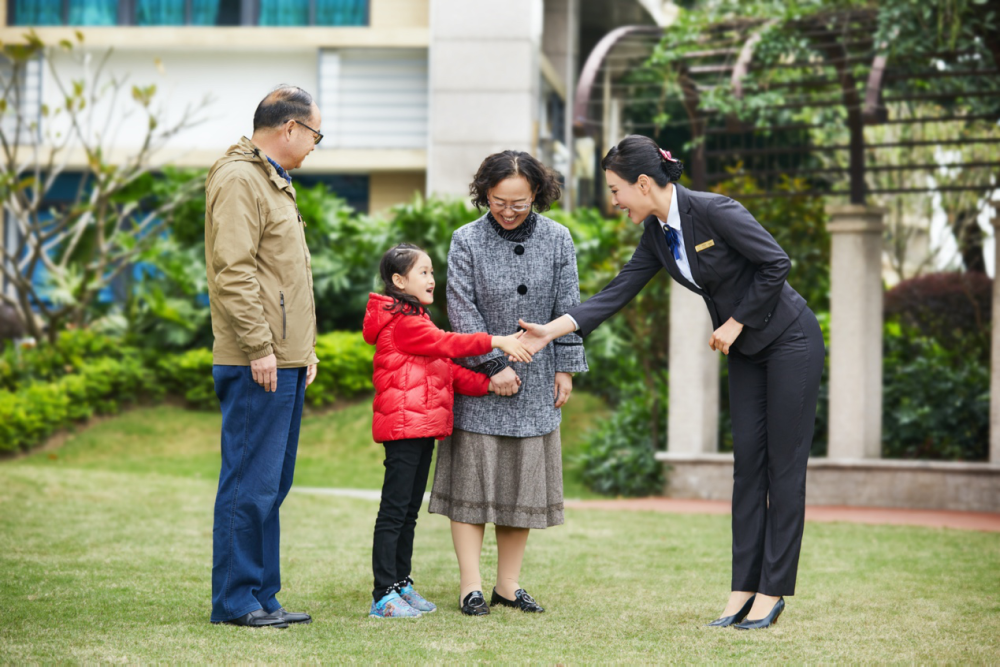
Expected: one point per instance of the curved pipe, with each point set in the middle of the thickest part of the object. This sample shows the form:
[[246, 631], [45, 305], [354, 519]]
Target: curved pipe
[[592, 66], [742, 65], [874, 110]]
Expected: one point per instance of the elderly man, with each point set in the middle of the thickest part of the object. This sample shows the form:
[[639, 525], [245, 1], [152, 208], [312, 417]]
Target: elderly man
[[264, 321]]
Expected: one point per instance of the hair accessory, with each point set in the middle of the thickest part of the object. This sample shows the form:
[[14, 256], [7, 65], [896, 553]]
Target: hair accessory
[[667, 156]]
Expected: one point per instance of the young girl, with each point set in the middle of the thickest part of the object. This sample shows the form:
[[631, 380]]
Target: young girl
[[415, 381]]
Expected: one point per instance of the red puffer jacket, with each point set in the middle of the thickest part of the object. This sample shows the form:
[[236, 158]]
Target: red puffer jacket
[[415, 379]]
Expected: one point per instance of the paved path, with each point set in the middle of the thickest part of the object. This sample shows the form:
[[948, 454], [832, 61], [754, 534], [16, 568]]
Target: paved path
[[872, 515]]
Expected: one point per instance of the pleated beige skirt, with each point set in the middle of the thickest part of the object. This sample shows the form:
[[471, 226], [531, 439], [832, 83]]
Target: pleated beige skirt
[[506, 481]]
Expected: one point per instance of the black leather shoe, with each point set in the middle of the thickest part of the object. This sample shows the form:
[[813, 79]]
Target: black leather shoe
[[258, 618], [767, 621], [291, 616], [726, 621], [474, 604], [521, 601]]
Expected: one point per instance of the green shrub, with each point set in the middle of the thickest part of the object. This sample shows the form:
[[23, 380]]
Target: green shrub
[[85, 373], [936, 402], [98, 386], [20, 365], [189, 374], [345, 367], [618, 458], [344, 371]]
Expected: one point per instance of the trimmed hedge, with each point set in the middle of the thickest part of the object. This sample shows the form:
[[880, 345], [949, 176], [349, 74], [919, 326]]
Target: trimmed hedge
[[32, 413], [48, 388]]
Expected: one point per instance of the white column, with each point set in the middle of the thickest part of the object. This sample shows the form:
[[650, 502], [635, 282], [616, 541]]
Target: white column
[[995, 351], [693, 417], [484, 82], [855, 331]]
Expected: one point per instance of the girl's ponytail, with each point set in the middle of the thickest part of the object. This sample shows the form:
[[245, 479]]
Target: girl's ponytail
[[400, 259]]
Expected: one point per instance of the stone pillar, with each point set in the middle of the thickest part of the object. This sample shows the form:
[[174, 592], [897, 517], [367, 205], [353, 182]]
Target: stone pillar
[[693, 417], [855, 331], [484, 83], [995, 351]]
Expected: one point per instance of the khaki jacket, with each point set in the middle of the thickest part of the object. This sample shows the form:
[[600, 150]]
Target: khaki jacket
[[259, 269]]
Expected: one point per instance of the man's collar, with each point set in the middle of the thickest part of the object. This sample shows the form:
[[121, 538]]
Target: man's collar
[[279, 169]]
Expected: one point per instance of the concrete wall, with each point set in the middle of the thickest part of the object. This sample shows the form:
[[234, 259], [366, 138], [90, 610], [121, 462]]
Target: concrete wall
[[399, 13], [386, 189], [238, 80], [484, 79], [934, 485]]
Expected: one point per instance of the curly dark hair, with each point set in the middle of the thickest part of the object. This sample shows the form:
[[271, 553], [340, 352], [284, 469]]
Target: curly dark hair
[[400, 259], [543, 181], [636, 155]]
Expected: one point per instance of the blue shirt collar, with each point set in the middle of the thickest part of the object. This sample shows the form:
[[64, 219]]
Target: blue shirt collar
[[281, 172]]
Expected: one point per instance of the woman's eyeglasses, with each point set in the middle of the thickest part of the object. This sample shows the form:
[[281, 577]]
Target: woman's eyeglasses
[[319, 135], [517, 208]]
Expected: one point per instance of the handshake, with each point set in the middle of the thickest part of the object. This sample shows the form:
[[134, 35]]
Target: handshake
[[518, 347]]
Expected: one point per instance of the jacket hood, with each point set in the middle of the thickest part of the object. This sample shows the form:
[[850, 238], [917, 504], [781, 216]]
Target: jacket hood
[[376, 316], [245, 150]]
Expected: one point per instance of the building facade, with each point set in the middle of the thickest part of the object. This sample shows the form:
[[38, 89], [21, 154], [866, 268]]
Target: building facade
[[414, 93]]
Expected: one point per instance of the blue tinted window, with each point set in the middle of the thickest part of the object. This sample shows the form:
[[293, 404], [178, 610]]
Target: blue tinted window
[[313, 12]]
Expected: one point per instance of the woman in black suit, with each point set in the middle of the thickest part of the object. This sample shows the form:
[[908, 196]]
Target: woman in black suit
[[711, 245]]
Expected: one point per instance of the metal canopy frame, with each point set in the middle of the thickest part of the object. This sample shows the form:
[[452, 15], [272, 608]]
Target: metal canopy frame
[[865, 87]]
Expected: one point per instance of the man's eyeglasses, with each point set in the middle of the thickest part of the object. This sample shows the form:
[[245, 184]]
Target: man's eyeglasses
[[517, 208], [319, 135]]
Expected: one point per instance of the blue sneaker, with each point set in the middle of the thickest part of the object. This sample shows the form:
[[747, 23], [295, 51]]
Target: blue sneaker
[[416, 600], [393, 606]]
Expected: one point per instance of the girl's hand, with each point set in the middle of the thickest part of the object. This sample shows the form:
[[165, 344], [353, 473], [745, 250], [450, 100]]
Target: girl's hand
[[515, 349], [723, 337]]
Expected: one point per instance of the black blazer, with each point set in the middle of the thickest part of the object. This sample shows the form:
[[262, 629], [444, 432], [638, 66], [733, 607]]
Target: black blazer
[[740, 267]]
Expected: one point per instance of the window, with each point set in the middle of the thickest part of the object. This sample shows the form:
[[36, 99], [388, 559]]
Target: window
[[26, 95], [374, 98], [313, 12], [188, 12]]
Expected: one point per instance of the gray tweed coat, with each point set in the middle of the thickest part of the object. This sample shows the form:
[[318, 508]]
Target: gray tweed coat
[[491, 284]]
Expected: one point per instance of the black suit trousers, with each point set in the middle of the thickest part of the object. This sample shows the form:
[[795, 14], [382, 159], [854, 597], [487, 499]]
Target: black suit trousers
[[772, 398]]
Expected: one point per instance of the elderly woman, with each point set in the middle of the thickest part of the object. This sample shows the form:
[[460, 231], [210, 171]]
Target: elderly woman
[[503, 463]]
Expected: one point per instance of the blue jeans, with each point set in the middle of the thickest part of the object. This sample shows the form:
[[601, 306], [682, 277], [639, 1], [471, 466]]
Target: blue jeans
[[260, 437]]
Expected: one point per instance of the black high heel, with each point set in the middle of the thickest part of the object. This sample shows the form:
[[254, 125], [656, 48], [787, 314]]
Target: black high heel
[[726, 621], [767, 621]]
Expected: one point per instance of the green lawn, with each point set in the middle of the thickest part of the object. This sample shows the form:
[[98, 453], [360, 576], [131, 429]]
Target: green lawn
[[106, 556], [335, 447]]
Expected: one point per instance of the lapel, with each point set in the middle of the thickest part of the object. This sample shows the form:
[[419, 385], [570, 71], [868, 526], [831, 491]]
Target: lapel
[[667, 257], [683, 203]]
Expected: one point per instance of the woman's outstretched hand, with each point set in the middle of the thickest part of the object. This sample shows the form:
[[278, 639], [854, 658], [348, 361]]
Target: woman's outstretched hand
[[723, 337], [535, 336], [513, 346]]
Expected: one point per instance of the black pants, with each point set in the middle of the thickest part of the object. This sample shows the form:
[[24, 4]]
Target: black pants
[[772, 398], [407, 464]]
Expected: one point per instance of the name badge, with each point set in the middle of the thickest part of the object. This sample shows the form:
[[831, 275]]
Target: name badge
[[704, 246]]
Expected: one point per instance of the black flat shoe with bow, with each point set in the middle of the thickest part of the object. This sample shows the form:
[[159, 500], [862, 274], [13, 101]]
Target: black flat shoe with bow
[[726, 621], [521, 601], [765, 622], [474, 604]]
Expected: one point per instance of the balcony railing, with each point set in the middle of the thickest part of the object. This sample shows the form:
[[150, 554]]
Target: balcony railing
[[187, 12]]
